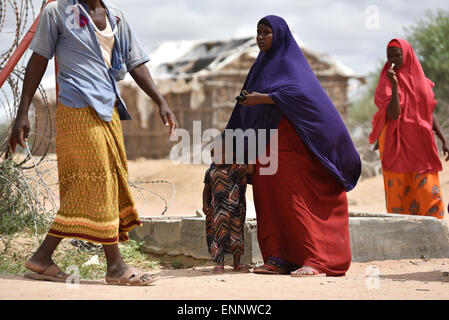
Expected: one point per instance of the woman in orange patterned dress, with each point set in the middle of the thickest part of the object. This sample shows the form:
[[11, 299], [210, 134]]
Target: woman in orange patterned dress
[[404, 129]]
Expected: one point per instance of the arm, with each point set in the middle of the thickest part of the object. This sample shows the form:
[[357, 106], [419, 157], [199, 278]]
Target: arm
[[33, 75], [254, 98], [142, 76], [394, 107], [207, 198], [437, 129]]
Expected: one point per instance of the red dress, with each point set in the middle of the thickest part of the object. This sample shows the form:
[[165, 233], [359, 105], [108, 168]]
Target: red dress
[[302, 210]]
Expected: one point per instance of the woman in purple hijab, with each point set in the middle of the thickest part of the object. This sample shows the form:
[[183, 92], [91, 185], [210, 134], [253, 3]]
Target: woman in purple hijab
[[302, 209]]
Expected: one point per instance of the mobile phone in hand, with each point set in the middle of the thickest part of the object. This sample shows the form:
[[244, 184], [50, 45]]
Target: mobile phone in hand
[[242, 96]]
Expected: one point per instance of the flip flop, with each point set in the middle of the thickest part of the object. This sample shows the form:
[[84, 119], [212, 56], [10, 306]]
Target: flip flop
[[131, 277], [243, 268], [268, 269], [273, 266], [306, 272], [49, 274]]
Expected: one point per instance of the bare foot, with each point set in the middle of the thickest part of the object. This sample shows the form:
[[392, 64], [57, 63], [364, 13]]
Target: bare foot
[[243, 268], [40, 265], [305, 271], [116, 270], [44, 269]]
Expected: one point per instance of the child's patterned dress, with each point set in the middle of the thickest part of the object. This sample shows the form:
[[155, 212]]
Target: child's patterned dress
[[225, 223]]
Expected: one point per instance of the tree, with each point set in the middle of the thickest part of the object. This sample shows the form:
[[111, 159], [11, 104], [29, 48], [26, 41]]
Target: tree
[[429, 38]]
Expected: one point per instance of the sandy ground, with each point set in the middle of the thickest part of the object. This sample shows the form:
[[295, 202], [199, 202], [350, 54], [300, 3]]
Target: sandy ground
[[401, 279]]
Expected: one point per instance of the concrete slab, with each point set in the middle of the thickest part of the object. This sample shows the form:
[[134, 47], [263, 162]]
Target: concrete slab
[[373, 236], [161, 235], [393, 236]]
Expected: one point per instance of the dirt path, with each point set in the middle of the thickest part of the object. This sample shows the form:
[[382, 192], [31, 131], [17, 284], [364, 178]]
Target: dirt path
[[403, 279]]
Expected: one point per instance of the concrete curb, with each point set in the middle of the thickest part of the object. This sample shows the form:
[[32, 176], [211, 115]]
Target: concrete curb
[[373, 236]]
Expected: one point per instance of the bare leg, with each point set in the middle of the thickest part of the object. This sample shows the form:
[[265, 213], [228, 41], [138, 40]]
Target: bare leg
[[41, 259], [239, 267], [305, 271], [219, 268], [42, 256], [236, 260], [115, 264]]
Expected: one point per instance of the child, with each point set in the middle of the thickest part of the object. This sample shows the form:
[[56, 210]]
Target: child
[[225, 208]]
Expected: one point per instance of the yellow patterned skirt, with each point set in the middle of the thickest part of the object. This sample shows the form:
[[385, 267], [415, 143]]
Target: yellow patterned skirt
[[95, 200]]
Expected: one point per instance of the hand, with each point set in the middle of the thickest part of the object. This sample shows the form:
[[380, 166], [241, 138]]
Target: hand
[[19, 133], [391, 74], [446, 150], [168, 117], [376, 146], [252, 99]]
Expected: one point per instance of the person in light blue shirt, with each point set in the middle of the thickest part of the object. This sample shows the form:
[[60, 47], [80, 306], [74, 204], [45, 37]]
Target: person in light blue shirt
[[94, 48], [83, 78]]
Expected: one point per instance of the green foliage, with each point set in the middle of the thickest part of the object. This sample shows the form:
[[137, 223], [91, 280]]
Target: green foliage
[[17, 206], [132, 253], [362, 108], [429, 38], [176, 265], [13, 263]]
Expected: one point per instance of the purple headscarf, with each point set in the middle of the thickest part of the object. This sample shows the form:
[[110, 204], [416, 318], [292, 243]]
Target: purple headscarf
[[284, 73]]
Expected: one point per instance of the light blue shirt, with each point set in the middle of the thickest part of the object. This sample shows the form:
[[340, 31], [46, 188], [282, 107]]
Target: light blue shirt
[[66, 31]]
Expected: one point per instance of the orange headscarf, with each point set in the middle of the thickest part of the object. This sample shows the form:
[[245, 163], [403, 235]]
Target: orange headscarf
[[410, 144]]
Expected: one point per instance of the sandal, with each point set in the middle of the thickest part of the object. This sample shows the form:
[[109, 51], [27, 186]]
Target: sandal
[[218, 269], [270, 267], [306, 271], [243, 268], [274, 266], [267, 269], [51, 273], [132, 277]]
